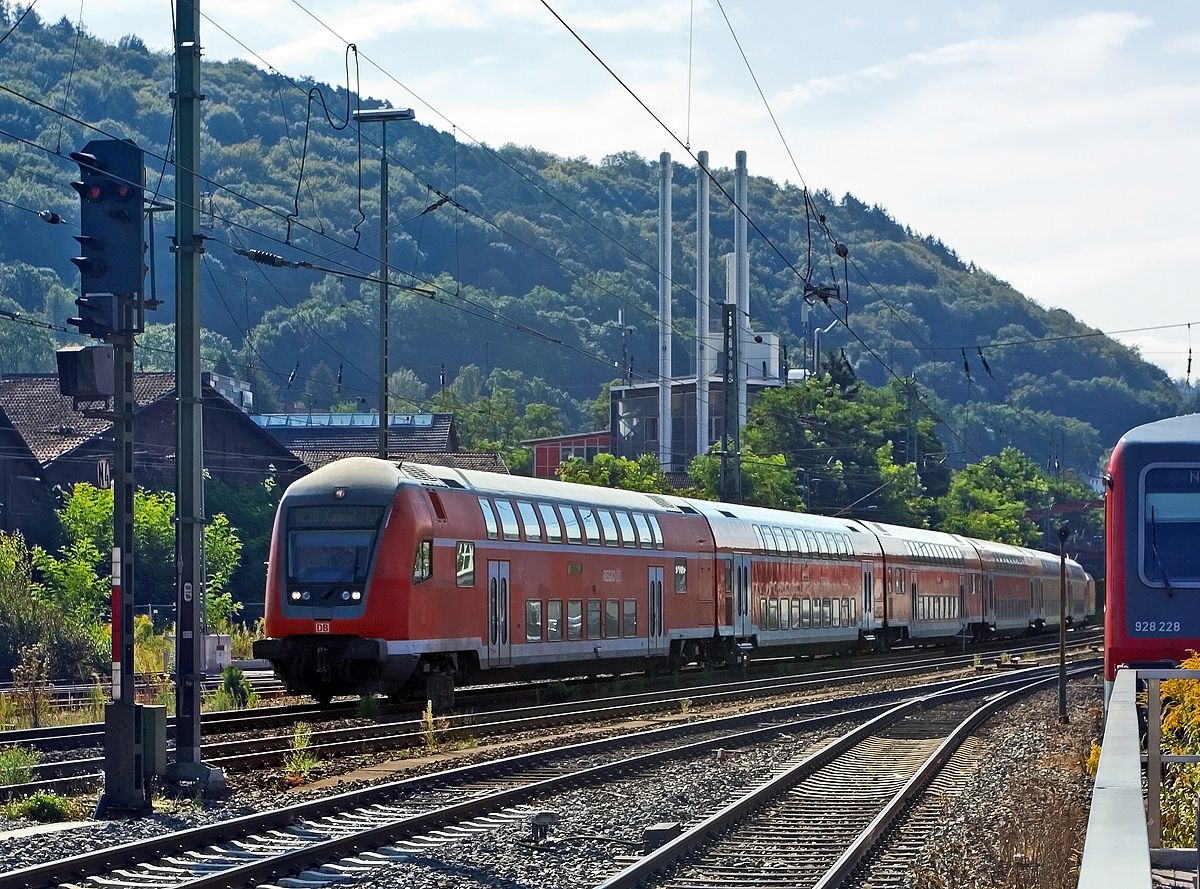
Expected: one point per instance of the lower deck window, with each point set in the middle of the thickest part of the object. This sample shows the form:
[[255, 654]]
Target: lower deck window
[[826, 613], [629, 619], [593, 618], [612, 619], [533, 620], [554, 621], [574, 619]]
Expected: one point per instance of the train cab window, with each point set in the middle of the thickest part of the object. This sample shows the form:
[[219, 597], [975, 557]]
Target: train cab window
[[590, 528], [464, 563], [655, 531], [773, 614], [612, 618], [554, 622], [508, 520], [826, 612], [550, 519], [574, 620], [680, 575], [423, 561], [609, 526], [643, 530], [791, 542], [626, 525], [489, 519], [805, 613], [837, 612], [785, 618], [533, 620], [533, 531], [1170, 525], [629, 619], [593, 619], [571, 524]]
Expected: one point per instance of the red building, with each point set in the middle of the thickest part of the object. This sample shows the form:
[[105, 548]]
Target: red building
[[551, 453]]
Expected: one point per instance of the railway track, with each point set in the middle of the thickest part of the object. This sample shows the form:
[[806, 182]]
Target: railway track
[[268, 750], [356, 836], [816, 825]]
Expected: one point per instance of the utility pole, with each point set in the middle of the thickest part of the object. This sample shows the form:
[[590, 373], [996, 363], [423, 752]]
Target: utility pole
[[189, 463], [731, 473], [383, 115], [1063, 533]]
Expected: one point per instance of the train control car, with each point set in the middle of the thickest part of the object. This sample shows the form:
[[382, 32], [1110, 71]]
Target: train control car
[[1152, 513], [382, 574]]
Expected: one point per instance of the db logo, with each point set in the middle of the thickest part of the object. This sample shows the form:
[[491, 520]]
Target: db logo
[[322, 626]]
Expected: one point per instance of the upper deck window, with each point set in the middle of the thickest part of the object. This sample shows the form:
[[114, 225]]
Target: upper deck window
[[1170, 526], [610, 527], [533, 531], [655, 531], [571, 523], [489, 519], [553, 532], [626, 525], [590, 528], [508, 520]]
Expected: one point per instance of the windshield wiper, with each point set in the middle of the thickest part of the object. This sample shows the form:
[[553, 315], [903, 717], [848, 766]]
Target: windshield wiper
[[352, 572], [1154, 550]]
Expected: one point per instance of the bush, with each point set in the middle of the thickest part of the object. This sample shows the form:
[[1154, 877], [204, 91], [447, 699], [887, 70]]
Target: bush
[[237, 686], [44, 807], [16, 765]]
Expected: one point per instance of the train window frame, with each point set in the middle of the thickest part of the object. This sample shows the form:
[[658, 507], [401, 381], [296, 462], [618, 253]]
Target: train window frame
[[609, 526], [826, 612], [806, 613], [681, 573], [785, 614], [762, 541], [655, 531], [612, 618], [591, 526], [625, 527], [728, 575], [762, 614], [530, 525], [836, 604], [571, 524], [822, 544], [810, 539], [645, 536], [848, 621], [533, 620], [489, 519], [629, 619], [423, 561], [574, 620], [791, 542], [554, 620], [508, 520], [780, 543], [464, 563], [550, 520], [772, 614], [595, 619]]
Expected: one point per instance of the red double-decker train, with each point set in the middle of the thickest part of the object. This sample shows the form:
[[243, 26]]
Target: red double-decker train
[[1152, 517], [381, 574]]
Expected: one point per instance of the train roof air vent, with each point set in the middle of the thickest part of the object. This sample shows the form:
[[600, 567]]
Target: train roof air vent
[[422, 475], [671, 506], [726, 513], [688, 510]]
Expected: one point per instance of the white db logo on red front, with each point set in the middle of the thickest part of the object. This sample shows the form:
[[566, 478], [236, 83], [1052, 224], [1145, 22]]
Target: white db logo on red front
[[322, 626]]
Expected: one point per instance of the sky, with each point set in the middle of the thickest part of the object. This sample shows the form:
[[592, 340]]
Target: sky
[[1052, 143]]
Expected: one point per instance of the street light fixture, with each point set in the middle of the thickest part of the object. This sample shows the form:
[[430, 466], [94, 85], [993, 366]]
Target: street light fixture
[[383, 116]]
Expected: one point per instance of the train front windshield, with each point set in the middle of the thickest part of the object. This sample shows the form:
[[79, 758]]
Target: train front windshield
[[1171, 527], [329, 548]]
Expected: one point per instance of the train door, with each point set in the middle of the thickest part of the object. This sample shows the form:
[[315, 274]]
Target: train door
[[742, 623], [499, 640], [868, 596], [655, 635]]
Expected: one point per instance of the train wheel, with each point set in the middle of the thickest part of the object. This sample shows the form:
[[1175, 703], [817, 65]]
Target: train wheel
[[323, 697]]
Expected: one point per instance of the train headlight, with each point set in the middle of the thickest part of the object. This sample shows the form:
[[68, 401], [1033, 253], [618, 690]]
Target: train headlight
[[345, 595], [356, 595], [295, 595]]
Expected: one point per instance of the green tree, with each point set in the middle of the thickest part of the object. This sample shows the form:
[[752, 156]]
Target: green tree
[[609, 471], [766, 479], [990, 499]]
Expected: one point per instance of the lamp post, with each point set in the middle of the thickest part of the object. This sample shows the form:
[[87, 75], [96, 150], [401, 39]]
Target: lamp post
[[383, 115]]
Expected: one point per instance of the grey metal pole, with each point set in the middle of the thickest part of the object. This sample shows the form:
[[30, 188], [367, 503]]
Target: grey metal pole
[[383, 294], [189, 497], [1063, 534]]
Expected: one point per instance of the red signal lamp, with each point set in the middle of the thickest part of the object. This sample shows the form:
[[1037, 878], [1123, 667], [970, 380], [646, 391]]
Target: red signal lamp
[[89, 191]]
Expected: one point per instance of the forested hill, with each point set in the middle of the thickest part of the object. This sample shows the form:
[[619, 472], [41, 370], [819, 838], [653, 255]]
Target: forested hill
[[504, 242]]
